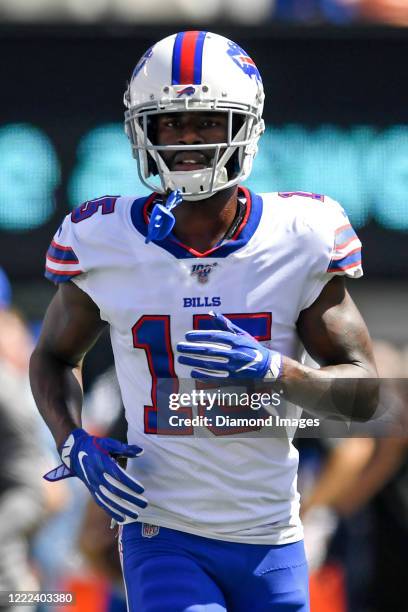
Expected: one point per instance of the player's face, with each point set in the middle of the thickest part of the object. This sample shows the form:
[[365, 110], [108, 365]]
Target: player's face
[[190, 129]]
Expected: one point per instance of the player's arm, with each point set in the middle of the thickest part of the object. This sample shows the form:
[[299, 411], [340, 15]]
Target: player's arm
[[335, 335], [71, 326]]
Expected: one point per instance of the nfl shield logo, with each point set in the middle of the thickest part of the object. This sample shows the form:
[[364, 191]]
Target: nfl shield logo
[[202, 271], [149, 531]]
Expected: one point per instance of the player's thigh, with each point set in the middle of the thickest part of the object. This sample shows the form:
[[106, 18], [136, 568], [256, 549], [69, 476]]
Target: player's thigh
[[170, 584], [287, 590], [275, 584], [282, 590], [163, 580]]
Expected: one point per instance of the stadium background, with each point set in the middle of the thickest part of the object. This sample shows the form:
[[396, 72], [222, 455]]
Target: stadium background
[[337, 122]]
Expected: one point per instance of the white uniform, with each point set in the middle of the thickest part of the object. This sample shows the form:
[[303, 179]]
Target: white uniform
[[242, 487]]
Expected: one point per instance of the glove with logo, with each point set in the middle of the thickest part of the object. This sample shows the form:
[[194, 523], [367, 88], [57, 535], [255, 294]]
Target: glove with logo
[[227, 351], [92, 459]]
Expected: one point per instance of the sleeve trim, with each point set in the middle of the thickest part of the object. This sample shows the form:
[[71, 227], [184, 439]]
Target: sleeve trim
[[60, 276], [61, 246], [345, 256], [61, 254], [343, 245], [343, 268], [62, 261]]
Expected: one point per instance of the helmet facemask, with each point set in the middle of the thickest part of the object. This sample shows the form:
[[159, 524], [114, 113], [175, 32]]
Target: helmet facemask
[[231, 161]]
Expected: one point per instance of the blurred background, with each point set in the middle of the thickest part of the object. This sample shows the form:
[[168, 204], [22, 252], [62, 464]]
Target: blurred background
[[336, 112]]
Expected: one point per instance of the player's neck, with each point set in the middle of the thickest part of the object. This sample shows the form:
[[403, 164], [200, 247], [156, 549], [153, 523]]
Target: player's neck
[[201, 225]]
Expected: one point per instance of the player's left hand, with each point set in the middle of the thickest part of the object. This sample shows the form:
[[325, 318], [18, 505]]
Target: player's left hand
[[227, 351], [94, 461]]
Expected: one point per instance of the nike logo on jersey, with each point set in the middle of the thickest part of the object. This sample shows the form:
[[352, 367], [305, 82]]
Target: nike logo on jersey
[[201, 302]]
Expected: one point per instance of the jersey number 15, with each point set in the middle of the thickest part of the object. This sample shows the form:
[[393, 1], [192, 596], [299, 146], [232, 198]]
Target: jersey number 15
[[152, 334]]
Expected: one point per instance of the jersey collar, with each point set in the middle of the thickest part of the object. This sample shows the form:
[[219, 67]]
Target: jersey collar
[[243, 234]]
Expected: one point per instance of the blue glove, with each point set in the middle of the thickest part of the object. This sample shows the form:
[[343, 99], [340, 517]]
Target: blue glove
[[92, 459], [227, 351]]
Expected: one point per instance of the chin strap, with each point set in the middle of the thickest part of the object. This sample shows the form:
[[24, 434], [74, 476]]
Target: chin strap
[[162, 219]]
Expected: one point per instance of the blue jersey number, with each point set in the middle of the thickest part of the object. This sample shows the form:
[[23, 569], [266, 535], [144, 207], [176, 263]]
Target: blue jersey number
[[87, 210]]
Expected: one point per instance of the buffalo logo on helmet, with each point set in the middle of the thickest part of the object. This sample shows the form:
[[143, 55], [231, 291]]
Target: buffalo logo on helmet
[[186, 91], [243, 61], [142, 62]]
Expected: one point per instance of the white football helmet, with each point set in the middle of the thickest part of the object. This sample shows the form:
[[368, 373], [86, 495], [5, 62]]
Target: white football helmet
[[195, 71]]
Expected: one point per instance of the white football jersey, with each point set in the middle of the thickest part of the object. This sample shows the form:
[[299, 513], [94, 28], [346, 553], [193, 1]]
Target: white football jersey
[[238, 487]]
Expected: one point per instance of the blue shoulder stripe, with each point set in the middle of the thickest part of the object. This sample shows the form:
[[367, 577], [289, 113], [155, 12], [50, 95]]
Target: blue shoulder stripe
[[55, 276], [350, 260], [61, 254]]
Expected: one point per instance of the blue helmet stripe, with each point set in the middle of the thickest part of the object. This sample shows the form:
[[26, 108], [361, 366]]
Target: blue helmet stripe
[[175, 72], [198, 58]]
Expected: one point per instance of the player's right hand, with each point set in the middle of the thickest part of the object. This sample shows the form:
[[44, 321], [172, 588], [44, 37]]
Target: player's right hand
[[92, 459]]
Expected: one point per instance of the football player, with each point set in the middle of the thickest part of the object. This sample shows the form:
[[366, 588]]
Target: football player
[[201, 279]]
